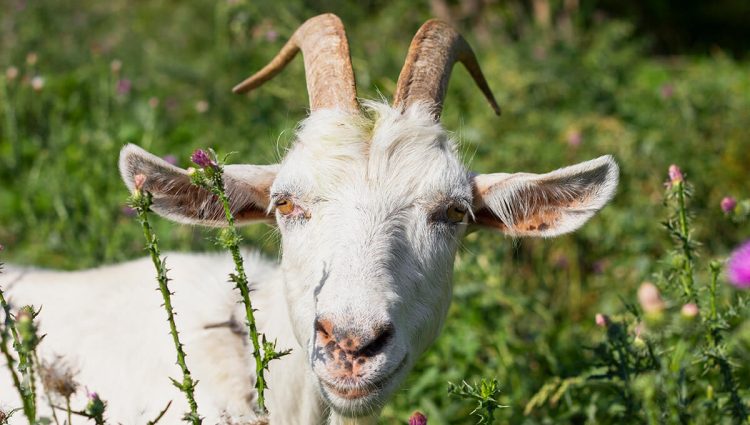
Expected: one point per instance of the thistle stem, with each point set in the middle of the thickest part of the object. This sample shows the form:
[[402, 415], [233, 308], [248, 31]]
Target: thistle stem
[[142, 203], [687, 272], [242, 285]]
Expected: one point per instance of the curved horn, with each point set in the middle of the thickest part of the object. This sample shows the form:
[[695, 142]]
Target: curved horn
[[328, 67], [432, 53]]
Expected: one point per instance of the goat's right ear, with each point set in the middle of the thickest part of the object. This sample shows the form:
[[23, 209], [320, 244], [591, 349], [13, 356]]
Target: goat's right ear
[[176, 198]]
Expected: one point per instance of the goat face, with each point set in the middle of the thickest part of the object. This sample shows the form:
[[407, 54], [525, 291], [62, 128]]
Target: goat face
[[370, 218], [370, 206]]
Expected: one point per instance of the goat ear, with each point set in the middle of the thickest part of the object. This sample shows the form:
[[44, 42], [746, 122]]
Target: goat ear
[[545, 205], [174, 197]]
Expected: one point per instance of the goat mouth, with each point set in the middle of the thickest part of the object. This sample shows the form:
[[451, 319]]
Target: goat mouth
[[359, 392]]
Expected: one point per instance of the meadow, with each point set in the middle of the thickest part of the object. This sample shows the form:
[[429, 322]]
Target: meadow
[[82, 78]]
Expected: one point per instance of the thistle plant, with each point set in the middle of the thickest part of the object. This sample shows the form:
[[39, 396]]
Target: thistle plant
[[141, 201], [209, 175], [668, 358], [484, 394], [7, 331]]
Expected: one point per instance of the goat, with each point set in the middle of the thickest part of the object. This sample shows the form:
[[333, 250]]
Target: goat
[[370, 201]]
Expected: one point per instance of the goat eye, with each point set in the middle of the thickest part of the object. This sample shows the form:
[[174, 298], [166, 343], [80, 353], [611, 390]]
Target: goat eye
[[284, 206], [455, 213]]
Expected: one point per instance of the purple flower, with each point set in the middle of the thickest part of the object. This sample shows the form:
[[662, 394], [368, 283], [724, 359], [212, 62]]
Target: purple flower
[[127, 211], [202, 159], [739, 266], [667, 91], [271, 35], [675, 174], [123, 86], [728, 204], [171, 159], [417, 418]]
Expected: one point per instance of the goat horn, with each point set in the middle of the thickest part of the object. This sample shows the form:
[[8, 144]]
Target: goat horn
[[328, 67], [432, 53]]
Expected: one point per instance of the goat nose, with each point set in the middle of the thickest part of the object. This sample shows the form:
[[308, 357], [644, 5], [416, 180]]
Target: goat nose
[[353, 342]]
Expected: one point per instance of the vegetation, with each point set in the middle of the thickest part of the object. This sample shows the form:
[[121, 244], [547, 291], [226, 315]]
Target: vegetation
[[81, 78]]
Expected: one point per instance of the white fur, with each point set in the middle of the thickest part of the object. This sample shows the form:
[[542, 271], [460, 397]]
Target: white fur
[[372, 245]]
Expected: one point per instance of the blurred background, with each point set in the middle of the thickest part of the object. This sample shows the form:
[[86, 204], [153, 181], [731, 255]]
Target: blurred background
[[651, 82]]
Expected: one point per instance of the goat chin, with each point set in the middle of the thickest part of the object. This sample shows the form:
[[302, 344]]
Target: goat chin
[[107, 324]]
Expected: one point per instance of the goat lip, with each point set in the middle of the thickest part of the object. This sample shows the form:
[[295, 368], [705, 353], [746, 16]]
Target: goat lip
[[351, 393], [361, 392]]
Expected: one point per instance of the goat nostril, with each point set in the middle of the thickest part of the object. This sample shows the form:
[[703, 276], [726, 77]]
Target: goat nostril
[[323, 327], [384, 335]]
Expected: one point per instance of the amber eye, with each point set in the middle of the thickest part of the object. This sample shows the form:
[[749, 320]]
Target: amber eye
[[284, 206], [456, 213]]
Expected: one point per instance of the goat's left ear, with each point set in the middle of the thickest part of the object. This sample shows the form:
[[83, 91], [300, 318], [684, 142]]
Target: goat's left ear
[[176, 198], [546, 205]]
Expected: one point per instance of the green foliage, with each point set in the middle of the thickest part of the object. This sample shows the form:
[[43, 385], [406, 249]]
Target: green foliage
[[523, 309], [484, 395]]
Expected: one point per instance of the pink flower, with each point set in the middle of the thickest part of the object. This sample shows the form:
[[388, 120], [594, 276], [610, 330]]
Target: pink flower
[[138, 181], [675, 174], [272, 35], [417, 418], [728, 204], [739, 266], [574, 138]]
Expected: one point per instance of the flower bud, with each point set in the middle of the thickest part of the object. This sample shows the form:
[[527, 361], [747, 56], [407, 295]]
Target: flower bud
[[11, 73], [138, 181], [31, 58], [728, 204], [689, 311], [601, 320], [203, 159], [675, 174], [115, 66], [639, 342], [37, 83], [649, 298], [417, 418], [201, 106]]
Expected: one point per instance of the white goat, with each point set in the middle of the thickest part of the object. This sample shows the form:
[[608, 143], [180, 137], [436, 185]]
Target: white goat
[[370, 201]]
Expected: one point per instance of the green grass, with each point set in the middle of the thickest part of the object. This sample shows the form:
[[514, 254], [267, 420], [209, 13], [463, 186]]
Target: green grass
[[523, 309]]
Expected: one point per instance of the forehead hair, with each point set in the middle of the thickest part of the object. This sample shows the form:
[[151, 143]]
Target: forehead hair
[[405, 152]]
